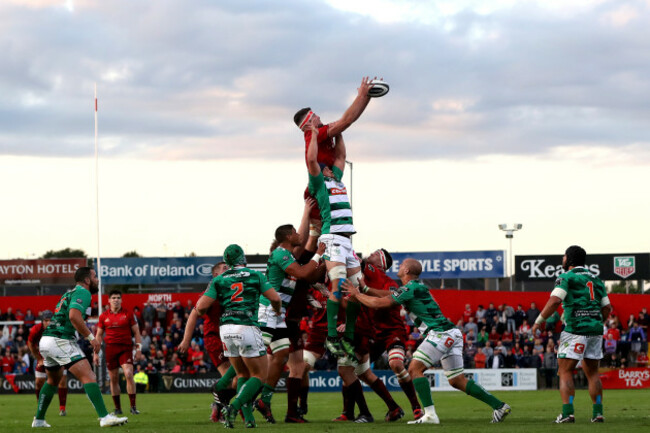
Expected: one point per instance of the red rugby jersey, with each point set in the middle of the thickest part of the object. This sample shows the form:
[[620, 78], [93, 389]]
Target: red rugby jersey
[[325, 146], [211, 322], [385, 319], [117, 326]]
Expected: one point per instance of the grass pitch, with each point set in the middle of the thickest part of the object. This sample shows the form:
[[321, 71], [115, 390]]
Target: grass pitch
[[532, 411]]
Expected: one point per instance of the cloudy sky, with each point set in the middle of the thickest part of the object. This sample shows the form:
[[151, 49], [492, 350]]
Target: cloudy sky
[[533, 112]]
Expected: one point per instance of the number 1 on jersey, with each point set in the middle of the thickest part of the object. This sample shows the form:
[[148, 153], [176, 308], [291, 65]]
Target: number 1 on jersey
[[239, 288], [590, 285]]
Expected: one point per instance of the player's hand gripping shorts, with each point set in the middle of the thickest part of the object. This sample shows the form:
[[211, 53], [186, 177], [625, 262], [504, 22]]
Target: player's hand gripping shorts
[[580, 346], [242, 340], [339, 249]]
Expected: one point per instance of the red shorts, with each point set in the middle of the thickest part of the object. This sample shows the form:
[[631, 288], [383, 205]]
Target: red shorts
[[316, 336], [214, 347], [118, 354], [295, 336]]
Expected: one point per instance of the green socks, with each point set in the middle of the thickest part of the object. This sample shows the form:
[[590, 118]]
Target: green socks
[[44, 399], [423, 389], [95, 396], [351, 313], [226, 379], [246, 390], [332, 316], [267, 393], [597, 410], [477, 391], [567, 409]]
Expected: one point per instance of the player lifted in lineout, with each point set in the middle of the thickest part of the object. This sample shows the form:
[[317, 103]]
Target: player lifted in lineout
[[119, 324], [585, 302], [337, 229], [443, 342]]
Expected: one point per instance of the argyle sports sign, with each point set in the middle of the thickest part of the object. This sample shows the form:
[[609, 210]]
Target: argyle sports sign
[[453, 265], [605, 266]]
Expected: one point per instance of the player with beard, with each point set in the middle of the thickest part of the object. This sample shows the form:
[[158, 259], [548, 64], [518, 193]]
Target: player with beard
[[59, 348], [33, 340], [443, 342], [223, 390], [390, 328], [119, 324]]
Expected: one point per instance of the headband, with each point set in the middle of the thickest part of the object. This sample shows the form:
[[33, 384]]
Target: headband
[[307, 117], [382, 258]]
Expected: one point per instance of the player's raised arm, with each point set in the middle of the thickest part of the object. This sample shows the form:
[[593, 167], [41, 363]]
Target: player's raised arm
[[354, 111], [312, 153], [203, 305], [303, 230], [340, 153], [306, 271]]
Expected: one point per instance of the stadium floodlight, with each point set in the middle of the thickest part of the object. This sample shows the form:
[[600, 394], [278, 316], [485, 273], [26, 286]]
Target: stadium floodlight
[[510, 233]]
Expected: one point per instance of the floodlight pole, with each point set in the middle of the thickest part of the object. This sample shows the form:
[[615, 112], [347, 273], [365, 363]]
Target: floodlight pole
[[510, 235]]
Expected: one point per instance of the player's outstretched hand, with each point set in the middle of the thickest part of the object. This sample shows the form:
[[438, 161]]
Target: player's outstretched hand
[[349, 288], [182, 348], [365, 86], [321, 249], [534, 329], [340, 328], [96, 345]]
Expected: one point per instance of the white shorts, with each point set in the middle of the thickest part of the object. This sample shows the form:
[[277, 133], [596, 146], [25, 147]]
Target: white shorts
[[580, 346], [242, 340], [59, 352], [43, 375], [268, 319], [339, 249], [446, 347]]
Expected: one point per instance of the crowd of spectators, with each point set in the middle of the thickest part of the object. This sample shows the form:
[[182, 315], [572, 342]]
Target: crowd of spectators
[[495, 337]]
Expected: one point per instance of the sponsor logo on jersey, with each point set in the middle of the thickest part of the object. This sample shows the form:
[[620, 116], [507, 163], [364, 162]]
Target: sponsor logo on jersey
[[624, 266], [338, 191]]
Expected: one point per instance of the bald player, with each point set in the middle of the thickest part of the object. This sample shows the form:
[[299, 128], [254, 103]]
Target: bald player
[[443, 342]]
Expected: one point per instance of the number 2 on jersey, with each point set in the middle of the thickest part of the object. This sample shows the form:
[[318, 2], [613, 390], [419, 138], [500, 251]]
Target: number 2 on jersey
[[239, 288], [590, 285]]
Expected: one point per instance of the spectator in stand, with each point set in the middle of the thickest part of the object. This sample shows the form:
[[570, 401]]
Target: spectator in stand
[[532, 313], [550, 366], [539, 346], [519, 316], [9, 315], [525, 359], [469, 353], [536, 360], [493, 337], [525, 330], [479, 360], [636, 337], [179, 310], [482, 324], [489, 352], [138, 317], [94, 309], [630, 321], [470, 337], [168, 344], [29, 319], [19, 315], [613, 332], [610, 345], [642, 360], [146, 341], [177, 326], [7, 362], [509, 313], [490, 314], [195, 355], [644, 320], [161, 313], [460, 325], [470, 326], [158, 330], [467, 313], [480, 313], [148, 315], [189, 306], [615, 362], [508, 339], [481, 338]]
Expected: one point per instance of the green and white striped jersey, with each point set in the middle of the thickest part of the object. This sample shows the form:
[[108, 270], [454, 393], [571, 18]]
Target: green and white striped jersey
[[333, 202], [282, 282]]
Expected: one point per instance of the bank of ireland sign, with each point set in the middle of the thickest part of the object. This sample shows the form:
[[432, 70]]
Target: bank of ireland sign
[[624, 266]]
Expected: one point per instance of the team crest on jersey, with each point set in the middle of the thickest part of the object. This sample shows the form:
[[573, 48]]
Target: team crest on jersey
[[78, 301], [624, 266]]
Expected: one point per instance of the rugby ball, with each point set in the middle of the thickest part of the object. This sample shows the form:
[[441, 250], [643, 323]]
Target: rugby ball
[[379, 88]]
